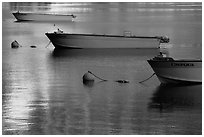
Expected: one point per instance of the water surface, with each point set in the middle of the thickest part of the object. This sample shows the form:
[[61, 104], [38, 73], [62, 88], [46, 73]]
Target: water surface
[[42, 88]]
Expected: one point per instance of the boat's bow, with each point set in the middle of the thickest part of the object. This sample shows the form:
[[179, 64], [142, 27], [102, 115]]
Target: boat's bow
[[169, 70]]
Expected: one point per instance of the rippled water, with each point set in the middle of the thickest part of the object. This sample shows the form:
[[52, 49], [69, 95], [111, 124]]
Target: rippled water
[[42, 88]]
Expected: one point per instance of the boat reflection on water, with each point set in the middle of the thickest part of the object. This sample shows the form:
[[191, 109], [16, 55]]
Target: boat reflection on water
[[104, 52], [170, 97]]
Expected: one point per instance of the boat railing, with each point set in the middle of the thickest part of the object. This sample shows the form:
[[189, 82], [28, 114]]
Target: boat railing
[[58, 31], [160, 58]]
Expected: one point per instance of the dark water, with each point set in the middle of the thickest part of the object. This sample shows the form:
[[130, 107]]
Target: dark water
[[42, 88]]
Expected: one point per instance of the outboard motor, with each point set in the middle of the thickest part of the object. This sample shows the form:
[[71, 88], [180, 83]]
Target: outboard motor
[[74, 16], [164, 39]]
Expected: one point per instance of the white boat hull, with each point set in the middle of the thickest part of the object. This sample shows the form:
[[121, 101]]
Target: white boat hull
[[178, 71], [42, 17], [66, 40]]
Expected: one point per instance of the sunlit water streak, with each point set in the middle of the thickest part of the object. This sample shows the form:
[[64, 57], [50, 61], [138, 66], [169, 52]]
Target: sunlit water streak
[[42, 88]]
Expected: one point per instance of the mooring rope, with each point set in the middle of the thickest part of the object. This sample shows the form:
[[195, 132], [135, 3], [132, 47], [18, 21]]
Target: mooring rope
[[48, 44], [119, 81], [97, 76], [147, 78]]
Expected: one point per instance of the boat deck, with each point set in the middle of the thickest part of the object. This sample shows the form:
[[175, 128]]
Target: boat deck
[[49, 14], [108, 35]]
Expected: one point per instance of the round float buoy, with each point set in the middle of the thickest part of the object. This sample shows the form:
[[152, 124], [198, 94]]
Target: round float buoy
[[88, 83], [15, 44], [88, 77]]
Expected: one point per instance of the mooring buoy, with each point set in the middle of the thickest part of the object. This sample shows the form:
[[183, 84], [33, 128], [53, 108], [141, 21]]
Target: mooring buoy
[[88, 77], [15, 44], [88, 83]]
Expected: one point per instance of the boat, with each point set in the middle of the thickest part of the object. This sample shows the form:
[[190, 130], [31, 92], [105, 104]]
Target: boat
[[42, 17], [72, 40], [169, 70]]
